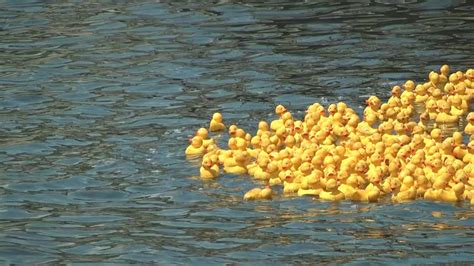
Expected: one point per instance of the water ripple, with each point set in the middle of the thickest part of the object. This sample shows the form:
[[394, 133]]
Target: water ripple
[[98, 100]]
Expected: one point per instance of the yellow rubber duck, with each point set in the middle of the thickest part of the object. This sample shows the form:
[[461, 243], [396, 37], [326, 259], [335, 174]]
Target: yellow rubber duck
[[204, 134], [216, 123], [280, 110], [304, 170], [436, 135], [394, 100], [209, 169], [263, 129], [407, 190], [272, 169], [377, 168], [468, 157], [458, 107], [232, 130], [431, 108], [370, 194], [444, 116], [373, 106], [444, 70], [437, 95], [311, 184], [421, 94], [258, 167], [469, 129], [259, 194], [365, 127], [291, 187], [457, 139], [336, 156], [433, 77], [331, 192], [423, 184], [407, 106], [454, 194], [349, 186], [469, 81], [237, 164], [195, 147]]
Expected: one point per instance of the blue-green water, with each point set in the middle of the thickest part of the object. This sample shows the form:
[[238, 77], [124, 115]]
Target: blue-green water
[[97, 101]]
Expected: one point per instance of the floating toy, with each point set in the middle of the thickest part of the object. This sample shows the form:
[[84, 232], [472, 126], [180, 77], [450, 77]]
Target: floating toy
[[216, 123], [411, 147]]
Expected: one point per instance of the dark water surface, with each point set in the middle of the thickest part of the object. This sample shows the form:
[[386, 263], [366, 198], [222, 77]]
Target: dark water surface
[[97, 102]]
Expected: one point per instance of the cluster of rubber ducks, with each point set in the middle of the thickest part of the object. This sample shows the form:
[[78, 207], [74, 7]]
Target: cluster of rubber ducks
[[399, 148]]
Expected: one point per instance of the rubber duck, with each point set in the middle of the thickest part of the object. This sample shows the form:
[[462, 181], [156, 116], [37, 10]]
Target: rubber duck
[[462, 87], [291, 187], [195, 147], [454, 194], [421, 94], [216, 123], [365, 127], [204, 134], [437, 95], [449, 89], [341, 108], [469, 81], [232, 130], [407, 106], [281, 133], [454, 78], [370, 194], [458, 108], [373, 106], [360, 172], [311, 184], [336, 156], [352, 123], [447, 148], [436, 135], [444, 115], [394, 100], [272, 169], [468, 157], [258, 168], [444, 70], [403, 115], [457, 139], [208, 169], [280, 110], [377, 169], [240, 133], [407, 190], [237, 164], [259, 194], [431, 108], [408, 94], [469, 129], [422, 182], [433, 77], [331, 192]]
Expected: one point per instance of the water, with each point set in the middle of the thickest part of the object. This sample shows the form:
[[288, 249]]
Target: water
[[97, 102]]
